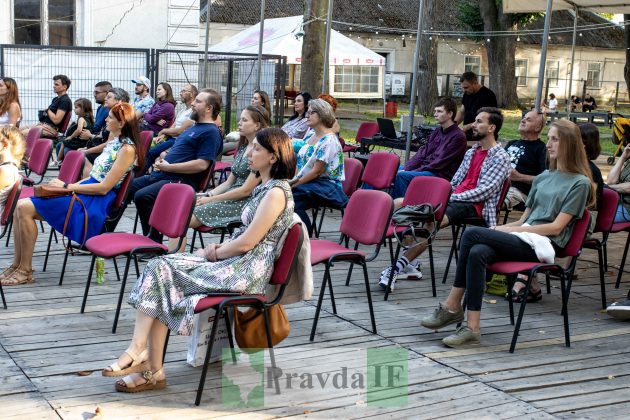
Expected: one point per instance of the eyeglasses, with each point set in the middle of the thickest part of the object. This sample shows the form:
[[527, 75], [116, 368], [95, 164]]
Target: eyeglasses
[[185, 91], [309, 112], [98, 92]]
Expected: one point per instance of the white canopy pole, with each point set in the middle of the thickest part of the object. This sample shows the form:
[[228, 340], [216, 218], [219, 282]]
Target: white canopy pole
[[204, 76], [575, 19], [260, 42], [414, 81], [327, 48], [543, 55]]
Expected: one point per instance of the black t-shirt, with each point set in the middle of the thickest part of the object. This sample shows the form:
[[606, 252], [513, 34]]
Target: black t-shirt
[[472, 104], [62, 102], [529, 158]]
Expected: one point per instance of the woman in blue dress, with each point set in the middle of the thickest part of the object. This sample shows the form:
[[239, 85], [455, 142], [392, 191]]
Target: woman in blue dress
[[97, 193]]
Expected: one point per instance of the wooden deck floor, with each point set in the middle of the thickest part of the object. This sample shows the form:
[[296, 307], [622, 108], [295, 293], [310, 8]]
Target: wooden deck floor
[[45, 342]]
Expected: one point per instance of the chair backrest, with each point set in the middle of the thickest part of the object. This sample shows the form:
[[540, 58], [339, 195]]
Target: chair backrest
[[206, 176], [72, 166], [146, 139], [118, 208], [504, 190], [9, 205], [428, 189], [32, 136], [606, 213], [574, 246], [38, 161], [288, 258], [352, 169], [381, 170], [367, 129], [65, 122], [172, 210], [367, 216]]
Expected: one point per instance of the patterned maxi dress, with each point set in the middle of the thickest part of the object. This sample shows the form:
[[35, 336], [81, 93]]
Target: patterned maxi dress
[[220, 213], [170, 286]]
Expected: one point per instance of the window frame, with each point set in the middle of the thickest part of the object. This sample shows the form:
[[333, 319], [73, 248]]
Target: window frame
[[467, 65], [553, 81], [45, 23], [520, 83], [589, 80]]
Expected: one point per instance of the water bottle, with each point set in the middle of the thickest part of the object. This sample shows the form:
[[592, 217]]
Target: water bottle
[[100, 270]]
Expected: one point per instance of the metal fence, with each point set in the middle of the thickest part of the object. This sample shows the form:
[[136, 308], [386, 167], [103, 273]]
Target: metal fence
[[234, 75]]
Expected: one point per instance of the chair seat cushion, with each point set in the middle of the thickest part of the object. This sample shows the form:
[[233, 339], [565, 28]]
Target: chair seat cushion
[[221, 166], [390, 230], [27, 192], [322, 250], [619, 227], [112, 244], [511, 267], [208, 229], [211, 301]]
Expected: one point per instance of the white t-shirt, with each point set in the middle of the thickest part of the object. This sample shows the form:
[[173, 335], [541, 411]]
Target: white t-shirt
[[182, 117], [553, 104]]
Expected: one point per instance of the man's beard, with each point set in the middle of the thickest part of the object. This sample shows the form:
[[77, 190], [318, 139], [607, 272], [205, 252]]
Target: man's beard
[[194, 116], [477, 136]]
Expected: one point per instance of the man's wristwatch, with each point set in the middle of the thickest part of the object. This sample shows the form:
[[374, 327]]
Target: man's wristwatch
[[65, 185]]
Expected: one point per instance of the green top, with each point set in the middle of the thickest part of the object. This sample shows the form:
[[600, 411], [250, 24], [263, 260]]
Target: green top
[[625, 177], [555, 192]]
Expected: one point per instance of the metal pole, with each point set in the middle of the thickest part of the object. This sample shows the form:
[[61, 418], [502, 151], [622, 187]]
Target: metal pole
[[543, 55], [575, 19], [204, 76], [260, 42], [327, 49], [414, 88]]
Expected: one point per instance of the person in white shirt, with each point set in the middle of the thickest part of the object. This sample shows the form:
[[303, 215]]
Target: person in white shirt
[[553, 103]]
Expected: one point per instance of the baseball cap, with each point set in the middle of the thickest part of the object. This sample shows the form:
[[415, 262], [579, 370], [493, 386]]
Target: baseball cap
[[142, 81]]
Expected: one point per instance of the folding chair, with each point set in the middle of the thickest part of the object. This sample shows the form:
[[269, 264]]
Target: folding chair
[[381, 169], [6, 219], [366, 129]]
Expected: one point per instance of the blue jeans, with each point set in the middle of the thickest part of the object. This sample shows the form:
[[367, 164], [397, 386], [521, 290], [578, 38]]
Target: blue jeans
[[622, 214], [155, 152], [403, 179], [320, 192]]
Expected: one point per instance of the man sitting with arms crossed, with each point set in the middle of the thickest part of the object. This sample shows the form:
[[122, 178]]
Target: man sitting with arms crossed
[[193, 152], [476, 186], [56, 112]]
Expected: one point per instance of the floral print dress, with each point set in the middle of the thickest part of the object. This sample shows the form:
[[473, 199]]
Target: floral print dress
[[171, 286]]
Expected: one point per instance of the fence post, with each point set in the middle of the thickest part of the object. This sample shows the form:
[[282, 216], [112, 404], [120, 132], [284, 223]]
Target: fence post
[[448, 85], [1, 61], [281, 86], [227, 125], [616, 96], [546, 92], [148, 73], [583, 89], [155, 68]]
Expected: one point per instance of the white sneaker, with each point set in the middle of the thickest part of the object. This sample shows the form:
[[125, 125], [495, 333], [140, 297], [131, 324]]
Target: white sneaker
[[412, 271], [385, 278]]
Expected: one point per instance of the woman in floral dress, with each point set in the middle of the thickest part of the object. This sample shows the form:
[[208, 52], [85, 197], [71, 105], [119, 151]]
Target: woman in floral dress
[[170, 287]]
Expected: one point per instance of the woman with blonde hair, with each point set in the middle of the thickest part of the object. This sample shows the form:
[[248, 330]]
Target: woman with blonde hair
[[557, 199], [10, 108]]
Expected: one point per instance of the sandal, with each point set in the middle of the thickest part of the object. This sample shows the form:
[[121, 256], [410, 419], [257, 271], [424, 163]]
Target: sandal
[[18, 276], [6, 273], [127, 384], [139, 363], [518, 296]]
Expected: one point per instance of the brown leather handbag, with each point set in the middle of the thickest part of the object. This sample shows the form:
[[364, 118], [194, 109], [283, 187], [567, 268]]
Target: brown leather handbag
[[48, 191], [249, 327]]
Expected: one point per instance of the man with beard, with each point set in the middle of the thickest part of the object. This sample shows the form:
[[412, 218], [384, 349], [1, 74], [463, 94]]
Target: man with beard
[[143, 101], [476, 186], [191, 154], [100, 92]]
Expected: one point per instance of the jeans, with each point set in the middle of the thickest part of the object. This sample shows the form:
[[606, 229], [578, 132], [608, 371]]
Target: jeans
[[403, 179], [317, 193], [482, 246], [622, 214]]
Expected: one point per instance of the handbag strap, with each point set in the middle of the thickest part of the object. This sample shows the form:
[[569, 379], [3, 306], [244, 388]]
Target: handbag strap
[[75, 198]]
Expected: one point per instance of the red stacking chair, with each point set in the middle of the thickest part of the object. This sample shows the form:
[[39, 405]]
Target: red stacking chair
[[146, 138], [603, 224], [365, 221], [352, 170], [115, 214], [381, 169], [38, 160], [6, 219], [70, 171], [283, 267], [222, 168], [366, 129], [170, 216], [33, 135], [473, 221], [422, 189], [512, 268]]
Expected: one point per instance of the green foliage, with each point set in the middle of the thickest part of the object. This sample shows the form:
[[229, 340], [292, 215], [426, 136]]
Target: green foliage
[[470, 15]]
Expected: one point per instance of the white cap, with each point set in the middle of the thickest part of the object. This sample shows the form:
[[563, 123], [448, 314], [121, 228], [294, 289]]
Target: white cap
[[143, 81]]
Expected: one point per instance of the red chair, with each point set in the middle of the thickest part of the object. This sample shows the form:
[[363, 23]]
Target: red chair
[[283, 267], [70, 171], [573, 250], [146, 138], [33, 135], [422, 189], [352, 169], [222, 168], [381, 169], [365, 221], [459, 228], [61, 132], [6, 220], [170, 216], [38, 160], [603, 224], [366, 129]]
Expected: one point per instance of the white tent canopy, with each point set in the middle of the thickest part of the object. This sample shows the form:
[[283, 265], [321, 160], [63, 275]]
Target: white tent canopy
[[597, 6], [279, 39]]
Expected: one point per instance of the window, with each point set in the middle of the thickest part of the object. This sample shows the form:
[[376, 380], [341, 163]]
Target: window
[[520, 67], [360, 79], [552, 72], [44, 22], [472, 63], [593, 75]]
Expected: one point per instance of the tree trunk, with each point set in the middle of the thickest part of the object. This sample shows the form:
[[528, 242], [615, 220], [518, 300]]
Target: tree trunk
[[427, 65], [313, 47], [626, 68], [501, 51]]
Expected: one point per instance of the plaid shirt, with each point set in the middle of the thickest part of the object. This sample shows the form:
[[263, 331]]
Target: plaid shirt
[[495, 169]]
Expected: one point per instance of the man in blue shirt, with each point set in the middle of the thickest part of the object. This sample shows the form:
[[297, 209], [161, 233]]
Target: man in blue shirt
[[192, 153], [100, 92]]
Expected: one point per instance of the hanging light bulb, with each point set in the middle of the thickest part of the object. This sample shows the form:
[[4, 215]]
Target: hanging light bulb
[[518, 39], [488, 40], [459, 39]]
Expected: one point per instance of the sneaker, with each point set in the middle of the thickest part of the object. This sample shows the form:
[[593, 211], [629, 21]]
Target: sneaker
[[411, 271], [619, 310], [463, 336], [442, 317], [385, 279]]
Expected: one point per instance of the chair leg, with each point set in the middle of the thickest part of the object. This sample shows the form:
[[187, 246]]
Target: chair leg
[[433, 288], [605, 248], [565, 300], [4, 302], [623, 262], [204, 371], [50, 237], [135, 261], [390, 280], [521, 312], [9, 233], [322, 290], [332, 295], [63, 267], [602, 281], [116, 268], [121, 294], [168, 335], [548, 281], [369, 296], [87, 285], [135, 223], [41, 224], [510, 285], [314, 212], [226, 317], [272, 356], [192, 242], [55, 236], [321, 221], [505, 218], [450, 254], [349, 274]]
